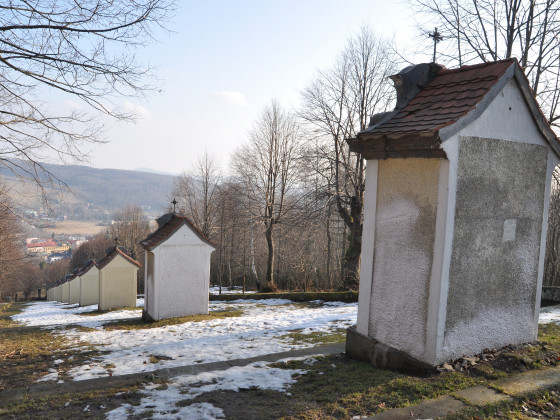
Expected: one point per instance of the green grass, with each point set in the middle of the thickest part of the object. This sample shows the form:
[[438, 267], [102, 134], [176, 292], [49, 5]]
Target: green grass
[[316, 337]]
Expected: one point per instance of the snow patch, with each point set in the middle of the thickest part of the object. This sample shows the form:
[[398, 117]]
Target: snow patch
[[163, 402]]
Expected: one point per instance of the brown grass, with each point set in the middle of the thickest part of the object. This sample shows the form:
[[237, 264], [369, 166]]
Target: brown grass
[[71, 227]]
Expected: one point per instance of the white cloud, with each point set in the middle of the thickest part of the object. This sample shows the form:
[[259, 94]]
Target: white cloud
[[138, 110], [235, 98]]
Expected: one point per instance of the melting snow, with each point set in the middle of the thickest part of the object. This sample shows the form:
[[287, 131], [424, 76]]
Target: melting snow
[[550, 314], [163, 402], [262, 329]]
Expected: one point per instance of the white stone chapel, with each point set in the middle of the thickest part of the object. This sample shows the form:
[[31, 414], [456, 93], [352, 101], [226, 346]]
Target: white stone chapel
[[177, 269], [455, 218]]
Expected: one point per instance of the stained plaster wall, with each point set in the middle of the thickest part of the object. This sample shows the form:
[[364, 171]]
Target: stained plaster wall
[[401, 254], [89, 287], [178, 276], [499, 183], [74, 290], [117, 284]]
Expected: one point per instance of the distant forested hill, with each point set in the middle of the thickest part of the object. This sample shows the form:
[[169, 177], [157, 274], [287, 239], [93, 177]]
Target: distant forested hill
[[109, 189]]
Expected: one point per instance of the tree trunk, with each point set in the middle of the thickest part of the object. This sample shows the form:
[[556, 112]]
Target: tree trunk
[[351, 263], [329, 240], [270, 261], [253, 265]]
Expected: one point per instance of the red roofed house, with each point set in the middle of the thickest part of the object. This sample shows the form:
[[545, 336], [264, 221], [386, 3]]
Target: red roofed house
[[118, 274], [455, 217], [177, 269], [45, 246]]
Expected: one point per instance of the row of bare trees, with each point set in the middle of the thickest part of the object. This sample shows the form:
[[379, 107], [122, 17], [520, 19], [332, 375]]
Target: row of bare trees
[[129, 227], [20, 274], [290, 214]]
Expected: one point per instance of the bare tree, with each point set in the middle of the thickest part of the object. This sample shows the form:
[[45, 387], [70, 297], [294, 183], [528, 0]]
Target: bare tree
[[12, 254], [56, 270], [552, 255], [196, 193], [489, 30], [94, 249], [267, 166], [335, 106], [82, 50], [129, 228]]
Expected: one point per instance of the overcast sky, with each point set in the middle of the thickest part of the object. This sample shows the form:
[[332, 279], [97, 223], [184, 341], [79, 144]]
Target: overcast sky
[[225, 61]]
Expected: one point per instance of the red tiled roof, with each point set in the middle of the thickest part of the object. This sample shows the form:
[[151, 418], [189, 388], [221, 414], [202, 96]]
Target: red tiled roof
[[449, 96], [168, 229], [41, 244], [111, 256]]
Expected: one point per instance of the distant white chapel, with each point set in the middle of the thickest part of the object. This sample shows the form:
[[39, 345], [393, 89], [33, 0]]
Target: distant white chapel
[[177, 269]]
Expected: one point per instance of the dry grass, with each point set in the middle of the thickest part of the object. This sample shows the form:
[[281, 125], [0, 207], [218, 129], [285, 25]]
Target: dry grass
[[75, 227], [27, 353]]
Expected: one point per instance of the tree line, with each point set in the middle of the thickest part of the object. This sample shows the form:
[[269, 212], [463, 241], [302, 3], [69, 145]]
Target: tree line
[[290, 213]]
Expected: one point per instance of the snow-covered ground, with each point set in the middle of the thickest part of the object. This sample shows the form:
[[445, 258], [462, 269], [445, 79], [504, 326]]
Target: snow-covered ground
[[164, 403], [55, 315], [550, 314], [262, 329]]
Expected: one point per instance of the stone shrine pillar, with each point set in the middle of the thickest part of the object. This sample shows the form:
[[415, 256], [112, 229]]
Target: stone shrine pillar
[[455, 216]]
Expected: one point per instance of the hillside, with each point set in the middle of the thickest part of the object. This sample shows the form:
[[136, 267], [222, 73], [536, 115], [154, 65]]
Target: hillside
[[106, 189]]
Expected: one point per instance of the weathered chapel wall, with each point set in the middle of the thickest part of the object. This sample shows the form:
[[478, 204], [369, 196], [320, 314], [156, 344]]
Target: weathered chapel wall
[[74, 290], [89, 287], [407, 197], [65, 295], [117, 284], [508, 222], [183, 267], [497, 234]]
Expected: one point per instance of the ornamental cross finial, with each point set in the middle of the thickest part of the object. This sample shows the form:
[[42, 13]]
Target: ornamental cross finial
[[174, 202], [437, 37]]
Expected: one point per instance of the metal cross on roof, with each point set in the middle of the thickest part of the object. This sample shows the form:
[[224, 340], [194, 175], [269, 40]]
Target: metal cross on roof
[[116, 241], [437, 37], [174, 202]]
